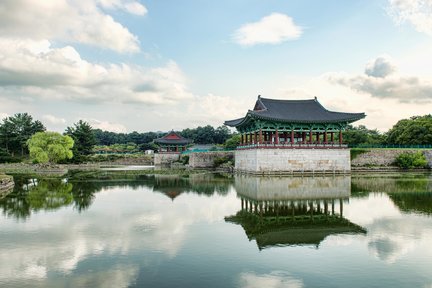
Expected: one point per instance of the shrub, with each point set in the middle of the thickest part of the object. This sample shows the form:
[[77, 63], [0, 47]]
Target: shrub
[[408, 160], [218, 161]]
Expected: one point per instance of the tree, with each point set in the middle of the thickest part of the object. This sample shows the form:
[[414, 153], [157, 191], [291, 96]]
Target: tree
[[16, 130], [84, 138], [362, 135], [414, 131], [50, 147], [232, 142]]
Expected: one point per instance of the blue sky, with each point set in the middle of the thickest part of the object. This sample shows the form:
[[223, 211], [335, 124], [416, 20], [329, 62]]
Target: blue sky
[[126, 65]]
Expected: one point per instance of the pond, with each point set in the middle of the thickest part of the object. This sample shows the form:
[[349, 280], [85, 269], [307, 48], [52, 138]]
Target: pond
[[124, 229]]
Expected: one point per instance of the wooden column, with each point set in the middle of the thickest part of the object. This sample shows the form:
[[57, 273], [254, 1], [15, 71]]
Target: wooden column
[[276, 137], [292, 136], [255, 137], [318, 137], [260, 136], [310, 136], [332, 137], [325, 137], [340, 137], [304, 137], [176, 148], [241, 139]]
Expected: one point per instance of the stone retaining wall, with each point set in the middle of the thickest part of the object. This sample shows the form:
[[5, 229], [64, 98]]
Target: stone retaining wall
[[165, 158], [6, 183], [385, 157], [276, 161], [206, 159]]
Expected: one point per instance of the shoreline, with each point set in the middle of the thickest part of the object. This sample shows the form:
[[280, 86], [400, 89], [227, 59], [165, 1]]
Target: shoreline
[[62, 169]]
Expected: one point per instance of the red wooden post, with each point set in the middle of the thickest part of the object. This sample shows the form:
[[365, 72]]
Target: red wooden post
[[255, 137], [332, 137], [292, 136], [241, 139], [260, 136], [176, 148], [340, 137], [317, 137], [310, 136], [276, 136], [325, 137]]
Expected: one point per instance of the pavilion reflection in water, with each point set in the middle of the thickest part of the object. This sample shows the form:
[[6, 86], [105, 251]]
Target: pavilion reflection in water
[[293, 210]]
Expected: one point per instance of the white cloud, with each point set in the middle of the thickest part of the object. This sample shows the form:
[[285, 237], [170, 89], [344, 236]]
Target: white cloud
[[275, 279], [133, 7], [416, 12], [79, 21], [380, 81], [107, 126], [38, 70], [272, 29], [53, 119]]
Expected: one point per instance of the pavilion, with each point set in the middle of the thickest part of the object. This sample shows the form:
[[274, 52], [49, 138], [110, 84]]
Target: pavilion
[[172, 143], [289, 128], [170, 148]]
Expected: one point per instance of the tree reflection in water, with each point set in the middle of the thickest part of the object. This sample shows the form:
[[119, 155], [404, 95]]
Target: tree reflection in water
[[32, 194]]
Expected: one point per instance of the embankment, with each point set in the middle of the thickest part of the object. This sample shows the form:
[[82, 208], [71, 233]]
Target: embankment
[[384, 158]]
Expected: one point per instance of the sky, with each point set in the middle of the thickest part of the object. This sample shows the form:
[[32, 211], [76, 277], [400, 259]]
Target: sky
[[157, 65]]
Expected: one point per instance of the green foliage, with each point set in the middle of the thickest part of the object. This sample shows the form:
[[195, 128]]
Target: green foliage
[[414, 131], [185, 159], [117, 148], [50, 147], [207, 134], [361, 135], [218, 161], [16, 130], [408, 160], [109, 138], [82, 134], [6, 157], [233, 142]]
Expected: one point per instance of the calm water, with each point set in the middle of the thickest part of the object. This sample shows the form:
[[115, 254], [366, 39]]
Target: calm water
[[114, 229]]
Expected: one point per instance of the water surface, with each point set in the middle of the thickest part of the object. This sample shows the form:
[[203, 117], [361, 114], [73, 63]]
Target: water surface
[[122, 229]]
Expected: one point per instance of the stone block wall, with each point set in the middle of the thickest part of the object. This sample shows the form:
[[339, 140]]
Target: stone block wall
[[165, 159], [274, 161], [385, 157], [206, 159], [293, 188]]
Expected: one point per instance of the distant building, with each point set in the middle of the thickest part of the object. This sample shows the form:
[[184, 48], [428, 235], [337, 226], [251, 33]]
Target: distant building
[[170, 148], [172, 143], [292, 135]]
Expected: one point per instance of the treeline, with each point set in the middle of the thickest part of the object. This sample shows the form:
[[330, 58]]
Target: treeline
[[199, 135], [15, 131], [416, 130]]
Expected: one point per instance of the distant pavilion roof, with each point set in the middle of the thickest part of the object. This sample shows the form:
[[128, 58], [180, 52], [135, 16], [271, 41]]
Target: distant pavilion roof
[[173, 138], [294, 111]]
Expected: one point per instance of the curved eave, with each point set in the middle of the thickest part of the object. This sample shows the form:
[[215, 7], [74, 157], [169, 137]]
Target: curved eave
[[175, 142], [251, 114], [353, 118]]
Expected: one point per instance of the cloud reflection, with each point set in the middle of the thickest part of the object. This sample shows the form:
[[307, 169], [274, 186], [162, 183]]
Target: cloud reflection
[[275, 279]]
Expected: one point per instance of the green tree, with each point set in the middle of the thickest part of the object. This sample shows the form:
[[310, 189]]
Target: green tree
[[414, 131], [84, 138], [50, 147], [16, 130], [232, 142], [362, 135]]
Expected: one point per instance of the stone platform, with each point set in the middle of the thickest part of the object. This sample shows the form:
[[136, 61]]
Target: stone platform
[[290, 161]]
